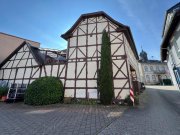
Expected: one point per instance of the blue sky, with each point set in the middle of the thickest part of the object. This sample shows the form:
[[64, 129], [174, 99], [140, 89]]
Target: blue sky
[[45, 20]]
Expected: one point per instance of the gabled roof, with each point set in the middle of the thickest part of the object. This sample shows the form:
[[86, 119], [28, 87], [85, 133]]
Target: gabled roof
[[18, 48], [36, 53], [124, 28], [167, 12], [172, 26]]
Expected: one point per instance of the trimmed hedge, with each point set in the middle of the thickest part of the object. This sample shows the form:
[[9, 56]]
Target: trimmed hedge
[[44, 91], [3, 91]]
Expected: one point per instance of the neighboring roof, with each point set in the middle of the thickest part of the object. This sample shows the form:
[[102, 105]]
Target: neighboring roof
[[152, 62], [123, 27], [172, 26], [35, 51], [19, 37], [167, 12]]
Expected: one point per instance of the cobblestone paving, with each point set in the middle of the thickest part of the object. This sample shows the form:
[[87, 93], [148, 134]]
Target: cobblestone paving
[[158, 115], [59, 119]]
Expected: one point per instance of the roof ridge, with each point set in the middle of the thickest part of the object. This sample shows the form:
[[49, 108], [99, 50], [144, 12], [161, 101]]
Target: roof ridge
[[18, 37]]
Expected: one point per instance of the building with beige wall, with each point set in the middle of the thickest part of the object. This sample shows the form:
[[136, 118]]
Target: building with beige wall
[[152, 71], [8, 43]]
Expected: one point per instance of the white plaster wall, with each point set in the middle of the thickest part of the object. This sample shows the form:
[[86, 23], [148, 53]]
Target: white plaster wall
[[131, 58], [101, 26], [70, 83], [19, 55], [26, 55], [10, 64], [83, 22], [72, 53], [91, 39], [114, 48], [48, 70], [80, 54], [81, 40], [92, 93], [1, 74], [20, 73], [6, 73], [18, 81], [91, 28], [60, 70], [25, 81], [92, 83], [69, 93], [22, 63], [55, 70], [71, 70], [112, 27], [43, 72], [92, 68], [79, 68], [120, 83], [82, 29], [28, 73], [73, 41], [81, 83], [80, 93], [123, 93]]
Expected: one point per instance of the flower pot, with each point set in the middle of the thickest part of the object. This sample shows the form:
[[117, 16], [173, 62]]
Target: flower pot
[[3, 98]]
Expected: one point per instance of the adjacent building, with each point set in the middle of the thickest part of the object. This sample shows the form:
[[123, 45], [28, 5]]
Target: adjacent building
[[170, 47], [8, 43], [152, 72], [27, 63]]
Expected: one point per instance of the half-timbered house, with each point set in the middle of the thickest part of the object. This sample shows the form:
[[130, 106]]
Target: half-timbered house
[[27, 63], [84, 55]]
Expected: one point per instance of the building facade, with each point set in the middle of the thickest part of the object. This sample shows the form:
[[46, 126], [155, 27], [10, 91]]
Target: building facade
[[170, 47], [153, 72], [8, 43], [27, 63], [84, 56]]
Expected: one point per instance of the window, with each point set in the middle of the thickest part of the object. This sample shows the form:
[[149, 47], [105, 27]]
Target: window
[[157, 68], [151, 67], [147, 78], [145, 68], [163, 68], [154, 78]]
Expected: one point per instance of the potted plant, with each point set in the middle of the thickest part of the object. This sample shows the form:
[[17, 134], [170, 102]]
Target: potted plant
[[3, 93]]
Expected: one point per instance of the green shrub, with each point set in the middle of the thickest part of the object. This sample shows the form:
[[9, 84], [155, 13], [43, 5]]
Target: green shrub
[[3, 91], [129, 102], [106, 74], [43, 91]]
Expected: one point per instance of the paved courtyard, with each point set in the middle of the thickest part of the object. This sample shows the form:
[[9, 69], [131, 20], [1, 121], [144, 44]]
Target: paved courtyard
[[59, 119], [158, 114]]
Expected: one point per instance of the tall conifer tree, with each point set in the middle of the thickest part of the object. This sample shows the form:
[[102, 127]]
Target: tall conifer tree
[[106, 74]]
